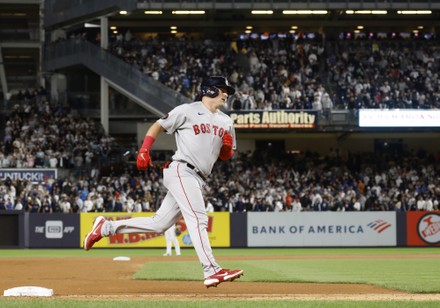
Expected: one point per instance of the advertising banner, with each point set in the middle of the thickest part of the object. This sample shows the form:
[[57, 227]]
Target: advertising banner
[[323, 229], [399, 118], [53, 230], [423, 228], [274, 119], [218, 232], [33, 175]]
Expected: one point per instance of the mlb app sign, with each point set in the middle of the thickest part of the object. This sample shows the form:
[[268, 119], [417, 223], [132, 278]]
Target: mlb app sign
[[322, 229], [54, 229]]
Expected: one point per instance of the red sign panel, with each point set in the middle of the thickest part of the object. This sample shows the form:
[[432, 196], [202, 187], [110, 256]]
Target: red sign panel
[[423, 228]]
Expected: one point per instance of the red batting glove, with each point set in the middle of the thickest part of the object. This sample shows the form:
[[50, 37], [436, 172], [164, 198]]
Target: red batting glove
[[226, 151], [227, 141], [143, 158]]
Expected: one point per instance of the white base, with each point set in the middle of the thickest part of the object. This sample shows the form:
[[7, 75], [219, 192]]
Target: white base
[[28, 291], [121, 258]]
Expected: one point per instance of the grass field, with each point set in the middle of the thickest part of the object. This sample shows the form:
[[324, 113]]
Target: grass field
[[412, 270]]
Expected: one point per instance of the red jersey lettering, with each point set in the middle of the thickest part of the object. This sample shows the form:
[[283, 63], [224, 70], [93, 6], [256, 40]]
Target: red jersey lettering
[[196, 129], [205, 128], [215, 127]]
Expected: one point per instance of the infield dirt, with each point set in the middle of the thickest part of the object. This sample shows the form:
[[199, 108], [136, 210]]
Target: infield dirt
[[103, 278]]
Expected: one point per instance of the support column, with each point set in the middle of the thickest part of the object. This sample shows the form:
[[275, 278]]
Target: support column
[[104, 32], [104, 105], [104, 84], [58, 88], [3, 77]]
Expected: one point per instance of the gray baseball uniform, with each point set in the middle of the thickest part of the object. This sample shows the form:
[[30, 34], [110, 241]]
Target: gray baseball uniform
[[198, 134]]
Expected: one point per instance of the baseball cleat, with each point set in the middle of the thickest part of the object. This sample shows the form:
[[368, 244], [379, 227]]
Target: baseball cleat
[[222, 276], [94, 235]]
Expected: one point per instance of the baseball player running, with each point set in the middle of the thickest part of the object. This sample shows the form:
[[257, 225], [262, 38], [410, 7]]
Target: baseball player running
[[203, 134], [170, 239]]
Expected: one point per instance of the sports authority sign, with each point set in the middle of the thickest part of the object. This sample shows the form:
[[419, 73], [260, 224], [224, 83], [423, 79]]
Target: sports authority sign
[[274, 119], [423, 228], [322, 229]]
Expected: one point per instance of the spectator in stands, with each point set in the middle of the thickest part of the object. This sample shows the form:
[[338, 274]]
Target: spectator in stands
[[65, 205], [296, 205], [88, 205]]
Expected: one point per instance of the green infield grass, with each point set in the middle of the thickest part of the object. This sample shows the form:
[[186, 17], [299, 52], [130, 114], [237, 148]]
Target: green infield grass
[[412, 270]]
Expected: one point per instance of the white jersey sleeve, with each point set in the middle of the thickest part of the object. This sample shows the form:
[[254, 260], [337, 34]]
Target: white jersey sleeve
[[198, 134], [174, 119]]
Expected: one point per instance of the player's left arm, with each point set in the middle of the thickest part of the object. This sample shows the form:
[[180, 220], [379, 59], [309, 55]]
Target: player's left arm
[[228, 147]]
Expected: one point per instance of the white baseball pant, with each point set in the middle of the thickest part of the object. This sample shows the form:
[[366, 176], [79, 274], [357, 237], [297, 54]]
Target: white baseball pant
[[185, 198]]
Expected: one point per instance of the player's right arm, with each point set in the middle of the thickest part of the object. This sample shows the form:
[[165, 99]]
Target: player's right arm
[[154, 130], [143, 158]]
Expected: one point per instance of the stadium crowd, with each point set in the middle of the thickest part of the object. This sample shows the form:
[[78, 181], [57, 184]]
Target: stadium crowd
[[269, 74], [295, 74], [39, 134], [259, 181]]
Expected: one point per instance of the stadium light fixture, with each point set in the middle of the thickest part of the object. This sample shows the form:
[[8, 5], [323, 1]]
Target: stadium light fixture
[[90, 25], [305, 12], [123, 12], [366, 12], [262, 12], [188, 12], [17, 57], [415, 12], [13, 14], [153, 12]]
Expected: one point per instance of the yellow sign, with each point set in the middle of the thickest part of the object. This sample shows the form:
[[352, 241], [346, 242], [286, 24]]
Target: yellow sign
[[218, 231]]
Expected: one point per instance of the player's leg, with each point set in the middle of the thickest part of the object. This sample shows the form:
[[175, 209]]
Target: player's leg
[[187, 191], [168, 241], [167, 215], [176, 246]]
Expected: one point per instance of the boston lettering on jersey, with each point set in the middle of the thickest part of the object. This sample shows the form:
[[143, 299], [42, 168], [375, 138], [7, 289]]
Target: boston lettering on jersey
[[206, 129]]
